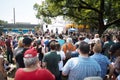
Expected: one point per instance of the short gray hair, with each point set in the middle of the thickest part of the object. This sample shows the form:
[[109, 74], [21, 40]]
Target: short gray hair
[[30, 61], [69, 40]]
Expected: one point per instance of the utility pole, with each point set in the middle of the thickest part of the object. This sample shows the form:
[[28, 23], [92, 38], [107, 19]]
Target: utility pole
[[14, 15]]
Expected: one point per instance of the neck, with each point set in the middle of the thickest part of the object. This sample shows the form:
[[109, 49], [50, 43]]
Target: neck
[[31, 68], [53, 50], [26, 47], [84, 55]]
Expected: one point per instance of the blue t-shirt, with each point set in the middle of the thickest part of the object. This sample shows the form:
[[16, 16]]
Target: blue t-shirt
[[61, 41], [103, 62]]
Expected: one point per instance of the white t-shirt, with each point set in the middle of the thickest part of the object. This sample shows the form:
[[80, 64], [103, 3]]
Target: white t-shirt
[[62, 55]]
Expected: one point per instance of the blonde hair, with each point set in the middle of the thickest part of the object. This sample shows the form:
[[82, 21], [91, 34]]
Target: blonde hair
[[20, 43], [97, 48]]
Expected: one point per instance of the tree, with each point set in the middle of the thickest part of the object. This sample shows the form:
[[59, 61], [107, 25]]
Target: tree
[[97, 13], [3, 22], [41, 15]]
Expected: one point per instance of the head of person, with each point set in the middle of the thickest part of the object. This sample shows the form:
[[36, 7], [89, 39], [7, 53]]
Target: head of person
[[31, 57], [47, 37], [53, 45], [10, 37], [69, 40], [118, 38], [80, 38], [60, 36], [97, 48], [107, 37], [20, 42], [84, 48], [96, 36], [52, 35], [27, 41], [58, 47]]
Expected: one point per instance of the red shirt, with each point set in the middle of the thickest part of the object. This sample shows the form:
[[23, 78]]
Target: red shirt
[[38, 74], [2, 43]]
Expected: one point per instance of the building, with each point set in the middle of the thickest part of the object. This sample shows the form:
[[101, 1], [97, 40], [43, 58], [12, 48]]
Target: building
[[19, 27]]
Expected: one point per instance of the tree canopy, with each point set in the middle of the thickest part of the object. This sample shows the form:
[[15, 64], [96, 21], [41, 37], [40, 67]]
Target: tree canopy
[[96, 13], [2, 22]]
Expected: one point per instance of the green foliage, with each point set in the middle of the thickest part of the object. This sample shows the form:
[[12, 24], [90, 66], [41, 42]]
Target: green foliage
[[91, 12], [3, 22]]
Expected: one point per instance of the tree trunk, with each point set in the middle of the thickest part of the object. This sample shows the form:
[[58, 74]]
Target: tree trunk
[[101, 29]]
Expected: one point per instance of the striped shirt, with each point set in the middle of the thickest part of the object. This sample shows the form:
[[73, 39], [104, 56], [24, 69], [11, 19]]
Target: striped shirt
[[103, 62], [80, 67]]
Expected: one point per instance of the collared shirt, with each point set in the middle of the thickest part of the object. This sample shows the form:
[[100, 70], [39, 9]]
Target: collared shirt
[[80, 67], [103, 61]]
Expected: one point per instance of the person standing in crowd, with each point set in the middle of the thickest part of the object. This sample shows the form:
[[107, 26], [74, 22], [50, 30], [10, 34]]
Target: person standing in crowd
[[32, 70], [96, 38], [68, 48], [37, 44], [19, 57], [9, 48], [2, 43], [80, 39], [62, 54], [51, 60], [83, 66], [107, 44], [3, 74], [102, 60], [87, 38], [52, 39], [74, 37], [46, 42], [68, 45], [115, 49], [18, 49], [117, 67], [56, 31], [61, 41], [115, 53]]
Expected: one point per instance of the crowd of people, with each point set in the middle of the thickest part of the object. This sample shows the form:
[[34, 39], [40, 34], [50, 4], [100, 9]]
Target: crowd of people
[[50, 56]]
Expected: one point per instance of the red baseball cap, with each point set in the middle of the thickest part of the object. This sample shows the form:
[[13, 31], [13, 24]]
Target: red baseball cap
[[30, 53]]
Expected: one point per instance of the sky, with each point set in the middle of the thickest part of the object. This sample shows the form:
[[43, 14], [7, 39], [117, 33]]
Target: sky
[[24, 11]]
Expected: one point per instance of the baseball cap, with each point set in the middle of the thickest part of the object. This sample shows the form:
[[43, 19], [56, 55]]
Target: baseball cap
[[30, 53]]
